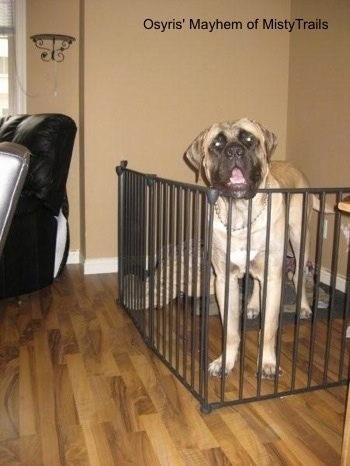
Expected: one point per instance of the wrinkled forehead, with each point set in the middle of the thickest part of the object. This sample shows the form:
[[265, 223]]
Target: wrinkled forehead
[[231, 129]]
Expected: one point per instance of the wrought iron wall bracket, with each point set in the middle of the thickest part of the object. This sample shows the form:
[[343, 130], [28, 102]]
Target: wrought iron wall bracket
[[59, 44]]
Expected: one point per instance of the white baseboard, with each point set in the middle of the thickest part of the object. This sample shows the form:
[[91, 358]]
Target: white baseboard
[[340, 282], [92, 266], [110, 265], [74, 257], [101, 265]]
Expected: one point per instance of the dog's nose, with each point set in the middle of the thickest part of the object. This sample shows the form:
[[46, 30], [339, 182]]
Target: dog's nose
[[234, 150]]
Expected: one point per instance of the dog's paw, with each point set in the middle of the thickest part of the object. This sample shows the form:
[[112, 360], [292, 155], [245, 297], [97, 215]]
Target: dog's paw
[[216, 370], [252, 312], [305, 313], [268, 371]]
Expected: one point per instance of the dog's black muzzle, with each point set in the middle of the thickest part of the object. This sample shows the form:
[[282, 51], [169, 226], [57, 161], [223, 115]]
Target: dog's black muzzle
[[234, 150]]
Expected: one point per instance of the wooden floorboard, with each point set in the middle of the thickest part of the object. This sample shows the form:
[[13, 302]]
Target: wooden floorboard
[[78, 386]]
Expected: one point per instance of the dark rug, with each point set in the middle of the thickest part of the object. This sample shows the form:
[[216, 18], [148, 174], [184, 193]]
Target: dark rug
[[330, 304]]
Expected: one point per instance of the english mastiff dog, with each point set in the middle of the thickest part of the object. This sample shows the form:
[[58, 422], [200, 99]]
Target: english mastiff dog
[[235, 158]]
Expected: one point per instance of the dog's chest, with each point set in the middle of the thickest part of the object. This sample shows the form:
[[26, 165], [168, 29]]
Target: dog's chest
[[237, 250], [239, 258]]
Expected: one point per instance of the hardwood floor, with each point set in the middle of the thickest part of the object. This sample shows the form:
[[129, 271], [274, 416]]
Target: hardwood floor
[[78, 386]]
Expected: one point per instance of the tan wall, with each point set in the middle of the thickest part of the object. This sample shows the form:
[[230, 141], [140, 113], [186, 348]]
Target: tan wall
[[319, 94], [44, 78], [319, 102], [143, 95], [148, 93]]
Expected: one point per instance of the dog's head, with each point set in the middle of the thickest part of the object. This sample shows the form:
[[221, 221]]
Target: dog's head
[[234, 156]]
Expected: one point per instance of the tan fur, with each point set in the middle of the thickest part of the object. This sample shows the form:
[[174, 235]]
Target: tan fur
[[273, 175]]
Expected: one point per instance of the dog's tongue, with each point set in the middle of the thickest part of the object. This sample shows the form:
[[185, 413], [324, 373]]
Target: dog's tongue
[[237, 177]]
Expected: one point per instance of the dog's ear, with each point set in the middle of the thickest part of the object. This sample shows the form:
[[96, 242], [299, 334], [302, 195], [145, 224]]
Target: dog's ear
[[195, 152], [270, 141]]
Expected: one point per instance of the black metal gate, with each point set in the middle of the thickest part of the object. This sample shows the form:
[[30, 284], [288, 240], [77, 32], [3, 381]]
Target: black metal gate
[[166, 285]]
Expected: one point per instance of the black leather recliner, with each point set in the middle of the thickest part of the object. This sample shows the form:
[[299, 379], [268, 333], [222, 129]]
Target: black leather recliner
[[37, 244]]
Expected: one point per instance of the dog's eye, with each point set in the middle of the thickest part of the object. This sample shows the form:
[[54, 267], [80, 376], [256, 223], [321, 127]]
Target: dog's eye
[[219, 142], [246, 138]]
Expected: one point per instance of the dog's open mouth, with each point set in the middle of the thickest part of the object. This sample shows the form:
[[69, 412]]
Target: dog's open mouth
[[237, 180], [236, 186]]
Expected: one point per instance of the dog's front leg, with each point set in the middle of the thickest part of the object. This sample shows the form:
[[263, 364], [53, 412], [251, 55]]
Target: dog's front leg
[[272, 310], [253, 308], [230, 324]]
